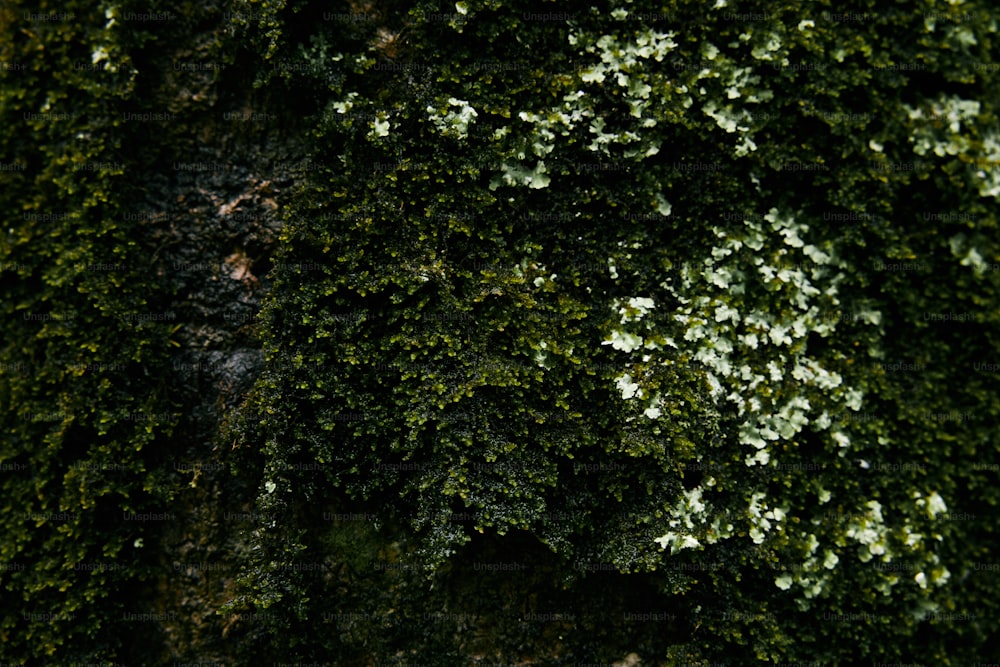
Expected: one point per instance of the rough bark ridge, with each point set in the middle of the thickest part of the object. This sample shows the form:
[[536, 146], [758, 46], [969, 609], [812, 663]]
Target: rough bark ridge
[[213, 203]]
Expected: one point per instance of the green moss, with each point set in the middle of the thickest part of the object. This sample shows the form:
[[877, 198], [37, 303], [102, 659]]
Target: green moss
[[585, 287], [477, 272], [82, 414]]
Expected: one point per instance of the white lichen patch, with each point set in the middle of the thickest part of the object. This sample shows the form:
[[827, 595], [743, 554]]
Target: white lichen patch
[[453, 119]]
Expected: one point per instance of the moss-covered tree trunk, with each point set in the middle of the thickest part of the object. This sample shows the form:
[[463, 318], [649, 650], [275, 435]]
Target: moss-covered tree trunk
[[497, 332]]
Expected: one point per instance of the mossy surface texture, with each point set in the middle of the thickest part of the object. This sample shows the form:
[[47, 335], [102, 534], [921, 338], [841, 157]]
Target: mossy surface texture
[[635, 328]]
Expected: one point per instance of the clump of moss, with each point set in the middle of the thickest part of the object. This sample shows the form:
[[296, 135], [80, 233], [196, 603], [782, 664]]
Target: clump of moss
[[612, 281], [86, 340]]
